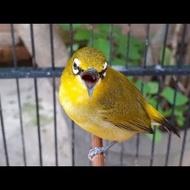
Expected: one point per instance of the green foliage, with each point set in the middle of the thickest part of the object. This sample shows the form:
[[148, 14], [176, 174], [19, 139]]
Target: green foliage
[[158, 136], [102, 41], [103, 45], [150, 88], [68, 26], [81, 35], [168, 94], [167, 56], [180, 104]]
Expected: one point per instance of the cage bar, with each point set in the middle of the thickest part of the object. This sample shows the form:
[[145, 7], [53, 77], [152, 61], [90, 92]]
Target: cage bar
[[54, 95], [18, 95], [36, 95], [4, 135]]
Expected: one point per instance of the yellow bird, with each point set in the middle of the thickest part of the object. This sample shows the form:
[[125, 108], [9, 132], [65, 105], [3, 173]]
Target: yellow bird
[[104, 102]]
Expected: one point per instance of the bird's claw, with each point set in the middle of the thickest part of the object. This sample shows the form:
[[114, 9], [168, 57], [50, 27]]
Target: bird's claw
[[94, 151]]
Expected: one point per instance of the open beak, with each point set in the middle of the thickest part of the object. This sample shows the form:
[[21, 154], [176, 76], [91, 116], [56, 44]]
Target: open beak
[[90, 78]]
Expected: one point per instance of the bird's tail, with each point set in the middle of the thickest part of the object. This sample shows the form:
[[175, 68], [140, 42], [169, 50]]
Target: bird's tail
[[158, 118]]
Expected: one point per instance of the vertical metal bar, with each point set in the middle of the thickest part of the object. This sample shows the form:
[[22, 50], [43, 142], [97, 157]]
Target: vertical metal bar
[[13, 46], [18, 95], [92, 35], [175, 93], [73, 142], [137, 149], [128, 45], [179, 63], [111, 44], [155, 127], [122, 153], [54, 90], [72, 122], [36, 95], [3, 133], [146, 44], [71, 39], [172, 118], [184, 137], [164, 43], [159, 91]]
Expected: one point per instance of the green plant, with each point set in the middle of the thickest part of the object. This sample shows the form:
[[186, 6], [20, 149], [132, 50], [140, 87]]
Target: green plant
[[102, 40]]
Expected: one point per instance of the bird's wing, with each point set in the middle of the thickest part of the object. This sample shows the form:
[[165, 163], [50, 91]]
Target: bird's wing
[[130, 115], [127, 113], [127, 119], [123, 105], [135, 126]]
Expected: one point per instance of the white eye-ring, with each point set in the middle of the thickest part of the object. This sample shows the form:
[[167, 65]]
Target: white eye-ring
[[104, 69], [75, 66], [105, 66]]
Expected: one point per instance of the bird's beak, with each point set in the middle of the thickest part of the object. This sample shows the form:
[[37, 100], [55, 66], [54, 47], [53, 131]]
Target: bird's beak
[[90, 78]]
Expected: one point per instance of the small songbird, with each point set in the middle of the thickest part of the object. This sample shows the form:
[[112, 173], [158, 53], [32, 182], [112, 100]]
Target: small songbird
[[104, 102]]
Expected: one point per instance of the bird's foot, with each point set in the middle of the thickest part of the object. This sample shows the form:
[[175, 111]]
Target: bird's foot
[[96, 150], [99, 150]]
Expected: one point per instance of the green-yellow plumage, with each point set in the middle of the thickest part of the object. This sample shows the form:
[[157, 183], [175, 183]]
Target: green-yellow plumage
[[103, 101]]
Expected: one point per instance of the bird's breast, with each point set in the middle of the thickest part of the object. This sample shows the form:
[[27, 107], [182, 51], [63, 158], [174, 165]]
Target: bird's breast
[[88, 114]]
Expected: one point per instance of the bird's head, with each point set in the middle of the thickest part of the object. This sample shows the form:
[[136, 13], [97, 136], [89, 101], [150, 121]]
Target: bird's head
[[89, 66]]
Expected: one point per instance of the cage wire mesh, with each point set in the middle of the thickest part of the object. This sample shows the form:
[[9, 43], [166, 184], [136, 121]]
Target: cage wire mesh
[[36, 131]]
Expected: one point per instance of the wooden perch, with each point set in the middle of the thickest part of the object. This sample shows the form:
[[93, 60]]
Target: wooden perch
[[97, 160]]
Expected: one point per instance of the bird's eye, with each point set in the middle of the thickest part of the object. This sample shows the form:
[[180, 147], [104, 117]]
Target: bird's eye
[[75, 66]]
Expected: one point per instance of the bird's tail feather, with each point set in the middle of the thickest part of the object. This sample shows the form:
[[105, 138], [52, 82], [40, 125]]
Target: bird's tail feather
[[158, 118]]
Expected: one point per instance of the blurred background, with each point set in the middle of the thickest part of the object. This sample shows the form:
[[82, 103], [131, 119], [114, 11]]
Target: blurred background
[[34, 130]]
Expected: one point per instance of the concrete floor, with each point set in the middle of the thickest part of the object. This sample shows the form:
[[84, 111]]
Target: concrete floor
[[9, 99]]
